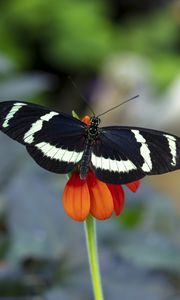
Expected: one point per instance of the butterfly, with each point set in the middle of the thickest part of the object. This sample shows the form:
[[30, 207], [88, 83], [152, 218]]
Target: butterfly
[[59, 143]]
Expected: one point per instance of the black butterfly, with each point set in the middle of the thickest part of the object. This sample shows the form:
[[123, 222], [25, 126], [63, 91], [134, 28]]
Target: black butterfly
[[117, 154]]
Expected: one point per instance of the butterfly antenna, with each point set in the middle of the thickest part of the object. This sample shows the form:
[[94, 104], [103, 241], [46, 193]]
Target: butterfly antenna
[[81, 95], [130, 99]]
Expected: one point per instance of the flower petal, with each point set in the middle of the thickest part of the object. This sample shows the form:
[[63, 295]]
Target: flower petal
[[133, 186], [101, 199], [117, 193], [86, 120], [76, 198]]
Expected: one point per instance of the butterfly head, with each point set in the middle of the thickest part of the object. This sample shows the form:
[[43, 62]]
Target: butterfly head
[[95, 121], [93, 128]]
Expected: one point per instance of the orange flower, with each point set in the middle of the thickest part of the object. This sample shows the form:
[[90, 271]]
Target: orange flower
[[92, 196]]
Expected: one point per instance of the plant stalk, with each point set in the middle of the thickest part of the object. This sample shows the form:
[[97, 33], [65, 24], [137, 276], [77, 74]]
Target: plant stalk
[[91, 242]]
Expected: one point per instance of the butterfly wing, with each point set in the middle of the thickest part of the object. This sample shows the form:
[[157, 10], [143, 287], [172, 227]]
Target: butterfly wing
[[125, 154], [55, 140]]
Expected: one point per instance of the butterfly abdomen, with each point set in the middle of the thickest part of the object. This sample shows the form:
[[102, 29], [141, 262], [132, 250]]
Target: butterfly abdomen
[[86, 158]]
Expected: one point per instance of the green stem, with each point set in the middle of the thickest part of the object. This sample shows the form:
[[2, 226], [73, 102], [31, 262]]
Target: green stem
[[90, 230]]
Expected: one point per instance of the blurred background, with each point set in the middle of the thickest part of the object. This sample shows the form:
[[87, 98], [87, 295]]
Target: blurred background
[[113, 50]]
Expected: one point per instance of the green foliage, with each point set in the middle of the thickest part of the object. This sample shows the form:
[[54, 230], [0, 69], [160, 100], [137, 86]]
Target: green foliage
[[85, 35], [77, 35], [12, 289], [74, 114], [154, 37], [74, 34], [132, 216]]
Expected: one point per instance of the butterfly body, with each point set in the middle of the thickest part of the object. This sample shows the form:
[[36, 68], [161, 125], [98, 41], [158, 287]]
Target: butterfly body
[[116, 154], [91, 136]]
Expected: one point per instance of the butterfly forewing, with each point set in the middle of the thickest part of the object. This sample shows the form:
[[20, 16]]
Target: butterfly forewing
[[124, 154], [55, 140]]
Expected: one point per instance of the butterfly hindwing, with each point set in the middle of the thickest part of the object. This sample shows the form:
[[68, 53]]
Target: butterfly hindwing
[[55, 140], [59, 156], [111, 164], [124, 154]]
